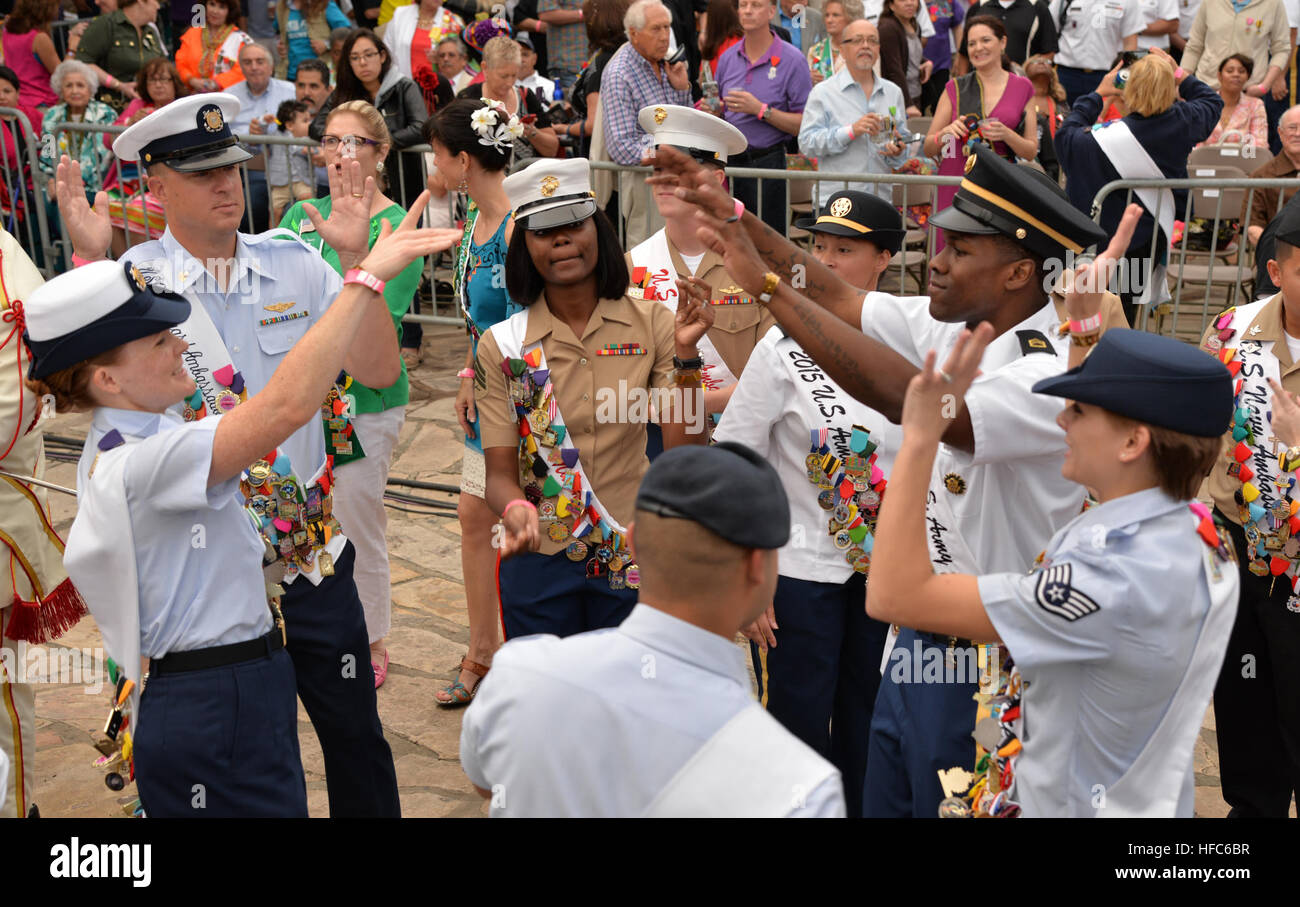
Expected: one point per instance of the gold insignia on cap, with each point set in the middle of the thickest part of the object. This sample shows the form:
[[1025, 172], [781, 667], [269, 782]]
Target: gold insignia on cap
[[212, 119], [137, 278], [549, 185], [841, 207], [970, 162], [1020, 233], [661, 114]]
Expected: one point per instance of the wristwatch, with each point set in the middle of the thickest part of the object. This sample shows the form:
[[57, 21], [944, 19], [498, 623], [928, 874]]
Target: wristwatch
[[686, 365]]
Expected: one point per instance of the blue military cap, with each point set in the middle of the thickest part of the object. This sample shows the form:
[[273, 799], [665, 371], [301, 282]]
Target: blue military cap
[[92, 310], [859, 215], [189, 134], [998, 196], [1153, 379], [726, 488]]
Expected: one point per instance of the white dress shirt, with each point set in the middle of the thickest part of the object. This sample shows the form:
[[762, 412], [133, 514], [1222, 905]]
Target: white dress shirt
[[989, 511], [597, 724], [1095, 30], [1153, 10]]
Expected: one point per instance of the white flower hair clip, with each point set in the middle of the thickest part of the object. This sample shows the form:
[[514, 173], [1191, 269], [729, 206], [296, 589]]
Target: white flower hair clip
[[494, 128]]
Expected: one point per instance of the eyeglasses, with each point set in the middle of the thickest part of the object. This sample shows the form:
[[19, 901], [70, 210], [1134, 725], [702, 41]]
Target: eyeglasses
[[159, 80], [365, 57], [330, 142], [854, 42]]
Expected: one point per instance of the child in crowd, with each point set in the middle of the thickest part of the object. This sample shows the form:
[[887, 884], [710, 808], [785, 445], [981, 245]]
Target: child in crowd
[[289, 170]]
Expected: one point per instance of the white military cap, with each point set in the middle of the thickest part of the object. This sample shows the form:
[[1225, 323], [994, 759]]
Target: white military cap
[[189, 134], [703, 136], [91, 310], [551, 193]]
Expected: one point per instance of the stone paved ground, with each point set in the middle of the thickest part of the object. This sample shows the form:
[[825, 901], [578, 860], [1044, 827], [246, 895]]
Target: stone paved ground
[[430, 633]]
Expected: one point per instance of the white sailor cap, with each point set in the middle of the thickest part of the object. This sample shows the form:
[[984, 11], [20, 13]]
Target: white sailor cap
[[551, 193], [703, 136], [91, 310], [189, 134]]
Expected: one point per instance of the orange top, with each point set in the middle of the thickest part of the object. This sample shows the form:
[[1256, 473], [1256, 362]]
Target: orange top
[[220, 63]]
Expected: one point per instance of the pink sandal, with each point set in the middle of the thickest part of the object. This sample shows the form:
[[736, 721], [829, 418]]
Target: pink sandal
[[381, 671]]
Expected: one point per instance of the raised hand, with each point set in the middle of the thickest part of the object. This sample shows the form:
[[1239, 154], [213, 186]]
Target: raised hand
[[694, 313], [934, 395], [90, 229], [347, 230], [1085, 287], [395, 249]]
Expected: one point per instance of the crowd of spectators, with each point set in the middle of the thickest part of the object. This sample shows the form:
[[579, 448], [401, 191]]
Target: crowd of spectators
[[842, 86]]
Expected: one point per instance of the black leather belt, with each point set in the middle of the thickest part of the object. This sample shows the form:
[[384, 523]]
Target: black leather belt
[[218, 656], [752, 154], [954, 642], [1061, 66]]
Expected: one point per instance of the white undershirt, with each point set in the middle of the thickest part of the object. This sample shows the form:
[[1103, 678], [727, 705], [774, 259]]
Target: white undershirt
[[693, 262], [1292, 344]]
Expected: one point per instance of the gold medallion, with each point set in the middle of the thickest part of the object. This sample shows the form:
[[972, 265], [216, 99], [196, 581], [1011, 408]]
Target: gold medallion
[[954, 483], [841, 207]]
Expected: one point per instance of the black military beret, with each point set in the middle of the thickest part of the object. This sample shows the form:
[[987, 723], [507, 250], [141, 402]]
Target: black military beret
[[726, 488]]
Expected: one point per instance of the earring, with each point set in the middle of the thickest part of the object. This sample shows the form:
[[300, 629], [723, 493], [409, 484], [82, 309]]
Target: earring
[[464, 183], [379, 167]]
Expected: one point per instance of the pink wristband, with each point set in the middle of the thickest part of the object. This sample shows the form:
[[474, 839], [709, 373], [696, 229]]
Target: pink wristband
[[528, 504], [78, 261], [465, 373], [1087, 326], [365, 279], [762, 111], [740, 212], [1179, 73]]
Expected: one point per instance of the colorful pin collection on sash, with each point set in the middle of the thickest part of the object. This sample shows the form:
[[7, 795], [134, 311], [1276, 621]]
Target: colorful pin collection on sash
[[851, 489], [562, 503], [1273, 531], [296, 522]]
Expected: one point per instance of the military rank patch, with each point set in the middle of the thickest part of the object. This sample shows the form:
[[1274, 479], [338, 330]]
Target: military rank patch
[[1034, 342], [1056, 596]]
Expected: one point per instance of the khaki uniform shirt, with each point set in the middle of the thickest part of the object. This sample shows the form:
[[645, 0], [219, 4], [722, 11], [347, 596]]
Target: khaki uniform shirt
[[1220, 486], [597, 395], [736, 328]]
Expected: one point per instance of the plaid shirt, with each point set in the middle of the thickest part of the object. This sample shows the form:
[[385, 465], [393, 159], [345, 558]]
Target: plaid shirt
[[566, 45], [629, 83]]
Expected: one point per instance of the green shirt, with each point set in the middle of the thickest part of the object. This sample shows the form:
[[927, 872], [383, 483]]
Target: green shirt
[[112, 43], [398, 293]]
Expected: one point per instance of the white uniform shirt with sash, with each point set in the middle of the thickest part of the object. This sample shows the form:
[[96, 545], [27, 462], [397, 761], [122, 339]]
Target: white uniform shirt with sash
[[653, 254], [1118, 637], [783, 396], [165, 563], [989, 511], [602, 724], [276, 291]]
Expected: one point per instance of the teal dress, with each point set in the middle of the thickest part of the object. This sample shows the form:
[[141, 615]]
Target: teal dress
[[484, 290]]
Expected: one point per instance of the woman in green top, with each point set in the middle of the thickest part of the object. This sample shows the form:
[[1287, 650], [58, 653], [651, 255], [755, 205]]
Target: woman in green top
[[117, 44], [356, 130]]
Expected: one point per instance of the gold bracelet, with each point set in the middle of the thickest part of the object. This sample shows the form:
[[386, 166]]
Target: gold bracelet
[[771, 281], [1085, 340]]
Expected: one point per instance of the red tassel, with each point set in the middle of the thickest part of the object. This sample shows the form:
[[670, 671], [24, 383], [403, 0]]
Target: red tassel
[[40, 622]]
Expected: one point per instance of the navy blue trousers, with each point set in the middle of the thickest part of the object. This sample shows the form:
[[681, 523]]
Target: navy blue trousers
[[821, 679], [331, 656], [1077, 82], [221, 743], [917, 730], [548, 593]]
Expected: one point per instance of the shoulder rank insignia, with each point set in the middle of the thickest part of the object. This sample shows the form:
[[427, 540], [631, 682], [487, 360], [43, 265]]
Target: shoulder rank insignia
[[1035, 342], [1056, 596]]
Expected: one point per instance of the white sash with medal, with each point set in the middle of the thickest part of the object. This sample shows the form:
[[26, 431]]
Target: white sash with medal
[[1131, 161], [510, 340], [1153, 784], [832, 414], [208, 357], [653, 255], [750, 768]]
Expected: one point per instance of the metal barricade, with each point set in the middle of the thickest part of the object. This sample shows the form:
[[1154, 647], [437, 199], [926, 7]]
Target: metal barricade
[[908, 190], [22, 196], [1187, 315]]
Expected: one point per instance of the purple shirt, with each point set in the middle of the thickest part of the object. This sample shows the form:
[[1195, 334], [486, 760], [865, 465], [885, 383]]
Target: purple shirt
[[946, 15], [786, 89]]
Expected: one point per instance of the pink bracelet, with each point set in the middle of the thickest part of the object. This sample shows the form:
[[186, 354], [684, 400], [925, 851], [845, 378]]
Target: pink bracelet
[[761, 111], [740, 211], [528, 504], [1087, 325], [465, 373], [78, 261]]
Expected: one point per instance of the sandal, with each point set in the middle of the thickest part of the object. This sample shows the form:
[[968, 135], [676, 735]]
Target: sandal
[[460, 695], [381, 670]]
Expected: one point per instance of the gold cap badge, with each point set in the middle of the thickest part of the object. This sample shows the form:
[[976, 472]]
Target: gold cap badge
[[661, 114], [841, 206], [549, 185], [212, 119], [1020, 233], [970, 162], [137, 278]]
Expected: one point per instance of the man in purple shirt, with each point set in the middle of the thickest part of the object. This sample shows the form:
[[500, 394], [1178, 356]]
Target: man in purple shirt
[[638, 76], [764, 83]]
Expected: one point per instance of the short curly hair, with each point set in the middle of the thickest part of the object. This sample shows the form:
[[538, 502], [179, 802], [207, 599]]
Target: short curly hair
[[70, 387]]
